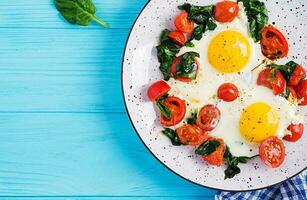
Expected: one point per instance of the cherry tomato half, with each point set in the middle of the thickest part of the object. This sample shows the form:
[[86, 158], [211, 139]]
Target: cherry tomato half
[[225, 11], [177, 37], [228, 92], [277, 83], [272, 152], [296, 130], [177, 108], [208, 117], [274, 45], [191, 134], [157, 90], [216, 158], [301, 92], [174, 69], [183, 23], [298, 74]]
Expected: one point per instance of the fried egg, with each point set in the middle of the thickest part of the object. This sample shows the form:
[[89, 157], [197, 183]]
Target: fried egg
[[228, 54]]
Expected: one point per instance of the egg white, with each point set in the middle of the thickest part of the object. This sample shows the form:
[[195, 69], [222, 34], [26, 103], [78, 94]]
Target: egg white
[[203, 90]]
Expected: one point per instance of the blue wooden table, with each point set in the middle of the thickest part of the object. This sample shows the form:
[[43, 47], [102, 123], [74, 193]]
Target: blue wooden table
[[64, 133]]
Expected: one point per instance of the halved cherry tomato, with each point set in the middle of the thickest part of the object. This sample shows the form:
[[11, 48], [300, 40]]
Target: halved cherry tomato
[[296, 130], [292, 92], [174, 69], [177, 37], [183, 23], [301, 92], [191, 134], [216, 158], [274, 45], [266, 78], [157, 90], [298, 74], [208, 117], [177, 108], [272, 152], [225, 11], [228, 92]]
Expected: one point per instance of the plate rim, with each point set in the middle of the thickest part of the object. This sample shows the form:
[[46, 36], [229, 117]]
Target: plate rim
[[137, 133]]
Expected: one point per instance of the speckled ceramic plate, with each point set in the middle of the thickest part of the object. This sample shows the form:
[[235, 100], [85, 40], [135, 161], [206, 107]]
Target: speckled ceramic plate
[[140, 68]]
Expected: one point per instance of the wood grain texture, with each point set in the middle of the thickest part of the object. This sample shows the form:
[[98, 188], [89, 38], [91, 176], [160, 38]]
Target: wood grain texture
[[64, 132]]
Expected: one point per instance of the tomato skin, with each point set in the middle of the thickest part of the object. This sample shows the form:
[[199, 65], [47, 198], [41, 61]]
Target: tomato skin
[[177, 37], [208, 117], [277, 83], [292, 92], [272, 152], [216, 158], [183, 23], [274, 44], [298, 74], [301, 92], [264, 78], [157, 90], [225, 11], [228, 92], [177, 108], [174, 69], [191, 134], [296, 130]]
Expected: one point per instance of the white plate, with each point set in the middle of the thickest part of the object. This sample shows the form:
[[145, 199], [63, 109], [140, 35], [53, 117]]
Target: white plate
[[141, 67]]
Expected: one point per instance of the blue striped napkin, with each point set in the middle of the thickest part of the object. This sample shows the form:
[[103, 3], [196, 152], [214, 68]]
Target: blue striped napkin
[[293, 189]]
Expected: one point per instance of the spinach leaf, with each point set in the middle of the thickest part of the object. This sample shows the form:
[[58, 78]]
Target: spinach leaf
[[207, 147], [257, 15], [231, 171], [78, 11], [211, 25], [163, 109], [189, 44], [172, 135], [232, 163], [192, 120], [198, 32], [201, 15], [197, 12], [166, 53], [286, 70], [187, 67]]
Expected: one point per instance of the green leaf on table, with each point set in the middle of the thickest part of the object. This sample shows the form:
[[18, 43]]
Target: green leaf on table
[[79, 12]]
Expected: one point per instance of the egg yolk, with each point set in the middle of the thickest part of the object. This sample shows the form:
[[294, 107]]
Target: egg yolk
[[229, 52], [258, 122]]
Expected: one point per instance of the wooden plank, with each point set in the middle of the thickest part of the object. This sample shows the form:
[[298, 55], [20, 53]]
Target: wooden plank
[[60, 92], [42, 14], [61, 70], [62, 50], [81, 154], [112, 198], [60, 107]]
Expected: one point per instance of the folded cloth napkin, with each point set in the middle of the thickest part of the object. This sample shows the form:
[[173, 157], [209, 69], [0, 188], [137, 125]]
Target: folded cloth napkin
[[293, 189]]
